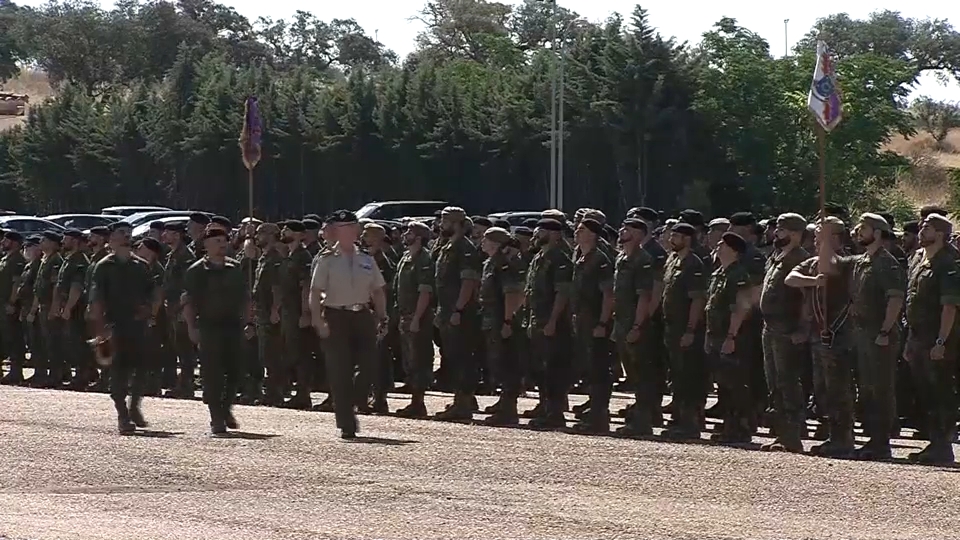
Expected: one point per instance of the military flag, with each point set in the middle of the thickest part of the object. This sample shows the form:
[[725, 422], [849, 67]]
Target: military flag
[[250, 133], [824, 98]]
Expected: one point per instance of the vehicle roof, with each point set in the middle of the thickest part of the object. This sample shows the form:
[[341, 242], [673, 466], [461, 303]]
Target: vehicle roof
[[143, 206], [407, 202], [56, 216], [4, 219]]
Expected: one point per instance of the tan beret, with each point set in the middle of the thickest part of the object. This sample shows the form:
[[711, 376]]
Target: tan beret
[[717, 222], [792, 222], [594, 214], [376, 227], [939, 223], [419, 228], [453, 211], [497, 234], [268, 228], [875, 221], [553, 213]]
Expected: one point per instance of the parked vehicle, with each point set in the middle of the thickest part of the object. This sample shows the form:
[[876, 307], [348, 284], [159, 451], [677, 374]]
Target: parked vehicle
[[146, 217], [516, 219], [393, 210], [27, 225], [128, 210], [82, 221], [140, 230]]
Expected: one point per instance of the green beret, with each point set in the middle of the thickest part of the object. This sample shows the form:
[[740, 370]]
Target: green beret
[[875, 221], [496, 234], [792, 222], [939, 223]]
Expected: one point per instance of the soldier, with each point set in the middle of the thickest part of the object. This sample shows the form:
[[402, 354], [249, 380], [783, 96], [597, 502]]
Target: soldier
[[877, 293], [715, 230], [501, 295], [295, 313], [69, 292], [196, 228], [730, 299], [311, 235], [591, 304], [97, 249], [156, 232], [827, 298], [634, 277], [121, 295], [909, 242], [890, 241], [783, 333], [46, 310], [150, 251], [216, 308], [267, 299], [251, 384], [744, 224], [458, 276], [373, 239], [547, 292], [26, 296], [683, 303], [932, 299], [660, 359], [344, 282], [178, 260], [11, 273], [413, 287], [480, 226]]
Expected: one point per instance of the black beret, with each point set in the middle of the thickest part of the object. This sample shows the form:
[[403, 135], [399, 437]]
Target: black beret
[[120, 225], [100, 231], [550, 224], [912, 227], [644, 212], [222, 221], [200, 218], [692, 217], [735, 241], [482, 220], [592, 225], [73, 233], [311, 224], [342, 217], [14, 236], [530, 223], [743, 219], [502, 223], [294, 225], [175, 226], [31, 241], [684, 228], [52, 236], [151, 243], [635, 223], [156, 225], [932, 209], [523, 231], [313, 217], [214, 232]]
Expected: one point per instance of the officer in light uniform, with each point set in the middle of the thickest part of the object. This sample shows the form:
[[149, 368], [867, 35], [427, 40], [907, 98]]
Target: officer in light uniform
[[344, 283]]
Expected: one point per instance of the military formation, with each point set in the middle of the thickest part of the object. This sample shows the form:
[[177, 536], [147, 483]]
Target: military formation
[[835, 319]]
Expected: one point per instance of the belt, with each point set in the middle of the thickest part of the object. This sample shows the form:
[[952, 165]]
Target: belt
[[351, 307]]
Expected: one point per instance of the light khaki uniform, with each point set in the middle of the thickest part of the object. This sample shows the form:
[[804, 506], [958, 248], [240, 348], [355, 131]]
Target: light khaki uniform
[[348, 282]]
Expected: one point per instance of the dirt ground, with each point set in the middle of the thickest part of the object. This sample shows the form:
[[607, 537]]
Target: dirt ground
[[66, 474]]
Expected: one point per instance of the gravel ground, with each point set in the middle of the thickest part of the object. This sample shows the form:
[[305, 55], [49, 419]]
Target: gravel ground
[[67, 474]]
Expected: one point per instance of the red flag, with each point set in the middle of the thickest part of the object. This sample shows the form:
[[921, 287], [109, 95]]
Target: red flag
[[250, 133]]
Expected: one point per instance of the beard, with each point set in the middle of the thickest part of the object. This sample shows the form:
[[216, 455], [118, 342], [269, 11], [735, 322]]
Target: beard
[[446, 233], [864, 242], [780, 242], [677, 246]]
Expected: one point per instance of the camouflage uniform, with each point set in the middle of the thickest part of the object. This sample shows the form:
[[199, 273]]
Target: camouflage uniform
[[25, 293], [458, 260], [73, 274], [12, 267], [178, 260], [297, 341], [269, 337], [634, 276], [54, 369], [501, 275], [415, 274], [592, 277]]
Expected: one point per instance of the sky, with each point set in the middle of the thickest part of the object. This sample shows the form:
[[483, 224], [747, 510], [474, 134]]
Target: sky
[[390, 20]]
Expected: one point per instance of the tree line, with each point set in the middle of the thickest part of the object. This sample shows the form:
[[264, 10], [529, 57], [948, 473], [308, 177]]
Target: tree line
[[149, 106]]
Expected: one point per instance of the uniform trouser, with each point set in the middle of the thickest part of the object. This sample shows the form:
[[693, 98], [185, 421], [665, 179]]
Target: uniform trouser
[[166, 358], [74, 347], [183, 348], [417, 351], [128, 372], [597, 352], [460, 348], [639, 363], [754, 357], [252, 379], [351, 350], [688, 372], [52, 334], [270, 353], [502, 361], [833, 384], [783, 364], [935, 381], [658, 352], [221, 363], [38, 349], [876, 369], [13, 342], [551, 352], [733, 374], [297, 350], [384, 379]]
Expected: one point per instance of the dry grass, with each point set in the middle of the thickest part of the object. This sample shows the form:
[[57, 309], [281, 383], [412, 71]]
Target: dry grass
[[923, 145], [30, 82]]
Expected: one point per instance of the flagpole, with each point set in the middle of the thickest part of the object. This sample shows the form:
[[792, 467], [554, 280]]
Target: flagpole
[[822, 153]]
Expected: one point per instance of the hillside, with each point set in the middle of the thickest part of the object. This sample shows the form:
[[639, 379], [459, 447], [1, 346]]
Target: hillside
[[32, 83], [922, 145]]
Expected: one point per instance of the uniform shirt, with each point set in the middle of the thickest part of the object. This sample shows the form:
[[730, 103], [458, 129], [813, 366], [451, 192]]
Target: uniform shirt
[[683, 282], [47, 278], [217, 292], [346, 280], [269, 266], [780, 305], [592, 276], [502, 275], [11, 269], [178, 260], [837, 301], [457, 261], [28, 278], [415, 275], [725, 285], [899, 255], [633, 278], [550, 274], [933, 283], [73, 271], [873, 280], [755, 264], [388, 268], [95, 257], [123, 287], [294, 276], [658, 256], [314, 248]]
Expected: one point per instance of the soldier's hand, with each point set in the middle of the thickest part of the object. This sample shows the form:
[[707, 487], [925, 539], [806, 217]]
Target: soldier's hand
[[797, 338], [194, 334], [633, 335], [729, 345], [31, 317], [686, 340], [51, 315], [322, 328], [455, 319], [821, 280], [550, 329], [415, 325], [65, 314], [304, 320], [506, 330], [274, 317], [938, 352], [882, 340]]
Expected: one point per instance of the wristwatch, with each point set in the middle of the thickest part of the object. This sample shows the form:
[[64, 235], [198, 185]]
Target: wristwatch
[[940, 342]]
